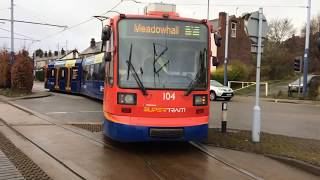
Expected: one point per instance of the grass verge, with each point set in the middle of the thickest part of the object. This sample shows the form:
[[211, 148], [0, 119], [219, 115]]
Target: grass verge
[[10, 93], [307, 150]]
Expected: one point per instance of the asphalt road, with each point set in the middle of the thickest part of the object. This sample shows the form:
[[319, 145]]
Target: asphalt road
[[298, 120], [66, 108]]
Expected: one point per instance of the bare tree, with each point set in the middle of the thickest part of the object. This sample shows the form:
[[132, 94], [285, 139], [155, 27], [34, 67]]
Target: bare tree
[[280, 30], [314, 26]]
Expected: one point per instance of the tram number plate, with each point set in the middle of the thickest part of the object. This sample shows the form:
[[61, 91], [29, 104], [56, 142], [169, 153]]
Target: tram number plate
[[167, 96]]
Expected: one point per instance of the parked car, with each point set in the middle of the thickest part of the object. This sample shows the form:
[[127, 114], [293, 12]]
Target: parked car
[[217, 90], [294, 86]]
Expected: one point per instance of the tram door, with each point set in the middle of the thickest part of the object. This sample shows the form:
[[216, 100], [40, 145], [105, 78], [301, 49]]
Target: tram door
[[75, 79], [62, 79], [57, 74], [50, 78]]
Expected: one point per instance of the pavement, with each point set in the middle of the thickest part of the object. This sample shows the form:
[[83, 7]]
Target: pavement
[[262, 166], [7, 169]]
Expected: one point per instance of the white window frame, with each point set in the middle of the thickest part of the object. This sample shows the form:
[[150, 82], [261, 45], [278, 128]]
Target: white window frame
[[233, 29]]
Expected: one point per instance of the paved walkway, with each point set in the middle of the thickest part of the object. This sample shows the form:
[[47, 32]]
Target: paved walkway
[[7, 169]]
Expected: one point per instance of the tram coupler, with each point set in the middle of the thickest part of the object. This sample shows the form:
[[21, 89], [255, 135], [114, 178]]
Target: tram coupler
[[224, 109]]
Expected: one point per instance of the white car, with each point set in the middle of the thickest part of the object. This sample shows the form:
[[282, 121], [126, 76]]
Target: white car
[[294, 86], [217, 90]]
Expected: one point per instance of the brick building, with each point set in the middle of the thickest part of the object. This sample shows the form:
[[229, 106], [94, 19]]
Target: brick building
[[239, 42]]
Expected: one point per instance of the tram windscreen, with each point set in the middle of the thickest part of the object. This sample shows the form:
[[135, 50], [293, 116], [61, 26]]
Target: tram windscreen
[[164, 54]]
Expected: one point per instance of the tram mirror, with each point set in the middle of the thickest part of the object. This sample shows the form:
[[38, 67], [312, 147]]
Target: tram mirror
[[106, 33], [107, 57], [217, 39]]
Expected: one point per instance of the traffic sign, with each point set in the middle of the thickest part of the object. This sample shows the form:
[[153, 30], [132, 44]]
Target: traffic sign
[[252, 26]]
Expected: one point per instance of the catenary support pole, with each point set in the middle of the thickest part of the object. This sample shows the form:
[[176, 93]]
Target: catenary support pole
[[226, 48], [306, 51], [12, 35], [256, 125], [208, 10]]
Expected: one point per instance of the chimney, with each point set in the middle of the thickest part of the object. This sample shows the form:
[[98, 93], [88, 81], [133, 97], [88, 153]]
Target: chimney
[[92, 43], [63, 52]]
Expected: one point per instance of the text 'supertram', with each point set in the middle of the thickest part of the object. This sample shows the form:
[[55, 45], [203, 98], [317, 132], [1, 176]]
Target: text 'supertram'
[[157, 76]]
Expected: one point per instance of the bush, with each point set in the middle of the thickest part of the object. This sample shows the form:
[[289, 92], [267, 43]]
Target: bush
[[40, 75], [5, 69], [22, 73], [236, 72], [314, 89]]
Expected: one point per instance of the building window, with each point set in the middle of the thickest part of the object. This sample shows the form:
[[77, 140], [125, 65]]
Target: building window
[[233, 29]]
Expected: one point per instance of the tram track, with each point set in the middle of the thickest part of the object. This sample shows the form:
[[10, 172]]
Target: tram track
[[103, 143], [113, 147]]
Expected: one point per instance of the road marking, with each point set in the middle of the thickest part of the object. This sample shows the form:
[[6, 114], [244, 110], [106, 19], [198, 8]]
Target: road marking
[[62, 112]]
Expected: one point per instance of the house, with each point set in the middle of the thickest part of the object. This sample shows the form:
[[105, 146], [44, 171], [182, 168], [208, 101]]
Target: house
[[239, 43], [94, 48], [42, 59]]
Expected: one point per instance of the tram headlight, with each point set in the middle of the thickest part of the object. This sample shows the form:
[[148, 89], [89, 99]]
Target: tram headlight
[[127, 98], [200, 100]]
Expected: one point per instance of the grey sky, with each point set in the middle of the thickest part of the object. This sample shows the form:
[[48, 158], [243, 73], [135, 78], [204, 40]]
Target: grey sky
[[70, 12]]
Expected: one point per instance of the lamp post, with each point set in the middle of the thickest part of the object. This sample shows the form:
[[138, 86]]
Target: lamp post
[[306, 51]]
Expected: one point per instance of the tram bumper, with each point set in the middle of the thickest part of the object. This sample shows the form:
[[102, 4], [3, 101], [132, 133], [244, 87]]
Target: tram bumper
[[137, 133]]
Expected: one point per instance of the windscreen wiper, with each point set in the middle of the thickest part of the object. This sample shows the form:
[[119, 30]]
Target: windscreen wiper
[[135, 74], [192, 83], [156, 57], [198, 75]]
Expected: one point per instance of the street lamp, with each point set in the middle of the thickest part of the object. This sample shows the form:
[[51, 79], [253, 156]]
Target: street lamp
[[306, 51]]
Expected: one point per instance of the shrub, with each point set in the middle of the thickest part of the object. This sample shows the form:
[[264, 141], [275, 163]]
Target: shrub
[[236, 72], [314, 89], [5, 69], [22, 73]]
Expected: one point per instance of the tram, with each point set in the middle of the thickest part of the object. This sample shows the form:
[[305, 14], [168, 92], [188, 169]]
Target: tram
[[78, 76], [157, 76]]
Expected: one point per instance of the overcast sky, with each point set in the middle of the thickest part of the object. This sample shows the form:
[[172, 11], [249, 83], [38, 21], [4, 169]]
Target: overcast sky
[[71, 12]]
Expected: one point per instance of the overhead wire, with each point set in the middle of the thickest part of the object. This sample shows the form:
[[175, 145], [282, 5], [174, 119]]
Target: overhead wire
[[19, 34], [79, 24]]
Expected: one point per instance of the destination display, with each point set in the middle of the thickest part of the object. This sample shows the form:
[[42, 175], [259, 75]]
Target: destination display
[[165, 28]]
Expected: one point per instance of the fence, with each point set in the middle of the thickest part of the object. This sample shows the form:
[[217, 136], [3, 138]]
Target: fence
[[248, 84]]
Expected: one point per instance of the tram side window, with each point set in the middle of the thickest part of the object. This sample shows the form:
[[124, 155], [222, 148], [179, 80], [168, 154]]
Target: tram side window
[[102, 72], [85, 73], [62, 73], [95, 74], [109, 65], [50, 73]]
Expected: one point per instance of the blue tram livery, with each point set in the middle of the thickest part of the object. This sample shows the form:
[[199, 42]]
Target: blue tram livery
[[78, 76]]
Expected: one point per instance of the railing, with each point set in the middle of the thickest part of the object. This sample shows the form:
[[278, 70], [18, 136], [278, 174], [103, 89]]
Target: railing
[[248, 84]]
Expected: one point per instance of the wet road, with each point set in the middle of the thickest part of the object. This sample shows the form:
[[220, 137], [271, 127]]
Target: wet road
[[299, 120], [66, 108]]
